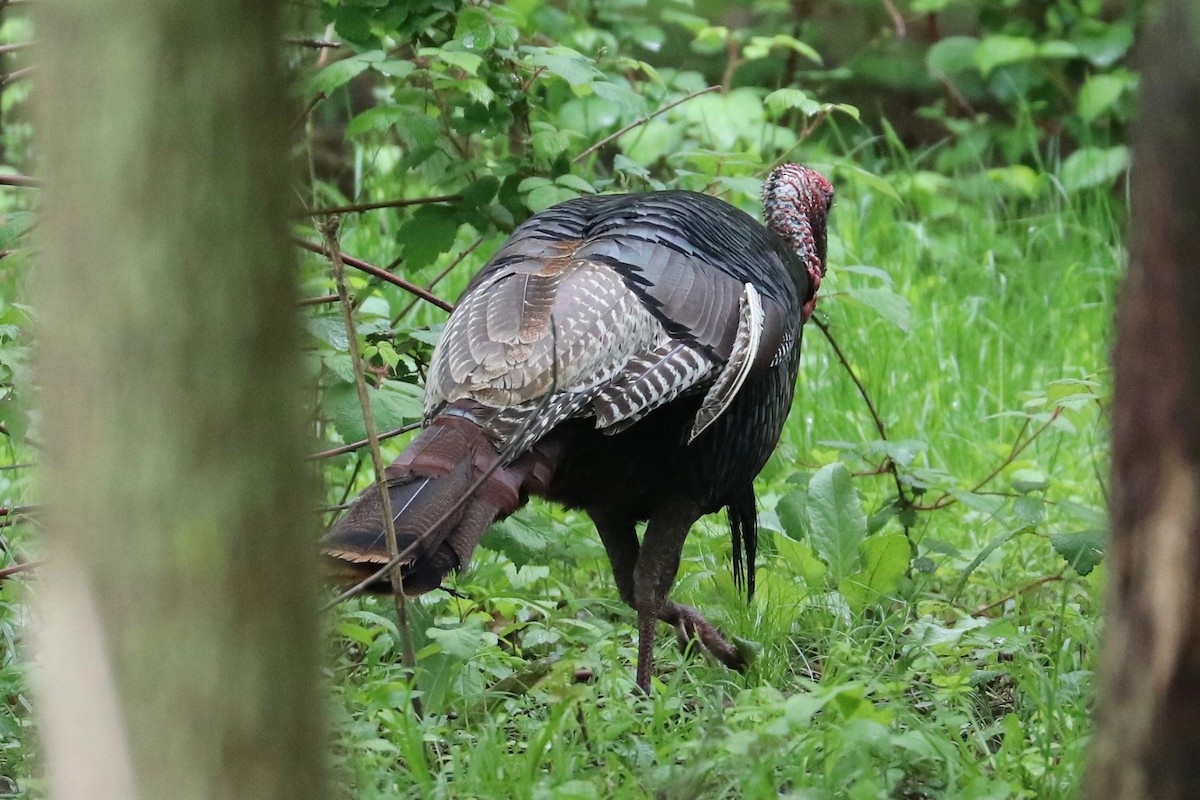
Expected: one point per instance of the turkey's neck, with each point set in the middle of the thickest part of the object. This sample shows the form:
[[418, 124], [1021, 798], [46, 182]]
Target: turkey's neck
[[804, 232]]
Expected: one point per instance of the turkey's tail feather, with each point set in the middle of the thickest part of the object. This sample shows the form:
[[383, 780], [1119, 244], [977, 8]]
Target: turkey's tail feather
[[743, 529], [446, 488]]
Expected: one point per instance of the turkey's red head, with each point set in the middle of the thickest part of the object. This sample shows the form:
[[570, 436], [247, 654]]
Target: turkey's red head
[[796, 202]]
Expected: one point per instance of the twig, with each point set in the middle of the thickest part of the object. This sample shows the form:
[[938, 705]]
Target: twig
[[12, 48], [897, 19], [641, 121], [316, 301], [6, 511], [17, 568], [1040, 581], [353, 207], [329, 231], [901, 495], [313, 43], [16, 75], [429, 287], [10, 179], [27, 465], [303, 115], [371, 269], [361, 443], [946, 499]]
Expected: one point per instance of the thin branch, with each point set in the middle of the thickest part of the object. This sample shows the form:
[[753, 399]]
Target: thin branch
[[408, 654], [897, 19], [361, 443], [641, 121], [946, 499], [9, 179], [371, 269], [17, 568], [12, 48], [901, 495], [429, 287], [303, 115], [317, 44], [1012, 595], [354, 207], [16, 75], [6, 511], [316, 301]]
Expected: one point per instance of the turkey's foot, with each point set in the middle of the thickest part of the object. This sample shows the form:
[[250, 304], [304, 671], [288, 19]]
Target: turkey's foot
[[691, 626]]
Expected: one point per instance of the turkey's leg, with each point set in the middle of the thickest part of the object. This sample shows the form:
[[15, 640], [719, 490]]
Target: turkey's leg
[[654, 574], [618, 533]]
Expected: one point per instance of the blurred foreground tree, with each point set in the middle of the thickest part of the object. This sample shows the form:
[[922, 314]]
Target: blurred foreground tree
[[178, 657], [1148, 742]]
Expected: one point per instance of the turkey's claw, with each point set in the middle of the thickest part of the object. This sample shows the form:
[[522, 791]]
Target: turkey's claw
[[691, 626]]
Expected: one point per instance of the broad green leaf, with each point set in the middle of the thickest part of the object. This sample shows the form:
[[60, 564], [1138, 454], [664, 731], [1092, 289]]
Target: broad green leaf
[[1082, 550], [575, 182], [792, 510], [952, 55], [391, 410], [563, 62], [465, 639], [837, 519], [467, 62], [1099, 95], [341, 72], [1017, 179], [781, 100], [893, 307], [1093, 166], [997, 51], [14, 225], [801, 560], [430, 232], [1103, 43], [885, 560]]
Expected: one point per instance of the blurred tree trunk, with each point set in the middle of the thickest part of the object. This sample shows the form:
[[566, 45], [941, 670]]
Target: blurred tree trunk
[[1148, 740], [178, 652]]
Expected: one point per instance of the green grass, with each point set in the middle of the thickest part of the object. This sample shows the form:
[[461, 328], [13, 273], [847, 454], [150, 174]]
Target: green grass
[[970, 678]]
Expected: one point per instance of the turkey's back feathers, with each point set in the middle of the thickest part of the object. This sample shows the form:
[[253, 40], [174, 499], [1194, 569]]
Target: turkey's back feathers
[[610, 307]]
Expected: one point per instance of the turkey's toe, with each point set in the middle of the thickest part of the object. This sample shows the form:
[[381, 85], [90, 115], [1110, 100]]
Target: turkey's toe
[[691, 626]]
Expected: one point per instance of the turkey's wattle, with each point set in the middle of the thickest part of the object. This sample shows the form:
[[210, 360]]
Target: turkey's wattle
[[630, 355]]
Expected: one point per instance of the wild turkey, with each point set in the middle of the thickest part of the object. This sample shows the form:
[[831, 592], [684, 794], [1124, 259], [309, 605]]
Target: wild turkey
[[631, 355]]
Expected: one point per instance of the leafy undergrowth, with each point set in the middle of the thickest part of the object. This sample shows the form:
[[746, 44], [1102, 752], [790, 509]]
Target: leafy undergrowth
[[940, 646]]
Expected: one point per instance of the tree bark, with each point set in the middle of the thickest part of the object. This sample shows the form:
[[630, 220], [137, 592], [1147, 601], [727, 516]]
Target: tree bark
[[1148, 737], [178, 644]]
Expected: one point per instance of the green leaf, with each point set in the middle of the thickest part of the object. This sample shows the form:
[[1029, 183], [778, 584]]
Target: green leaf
[[801, 560], [392, 410], [466, 639], [952, 55], [481, 192], [1093, 166], [563, 62], [14, 225], [781, 100], [885, 560], [893, 307], [467, 62], [341, 72], [1082, 550], [1099, 95], [427, 234], [837, 518], [575, 182], [997, 51], [1103, 44]]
